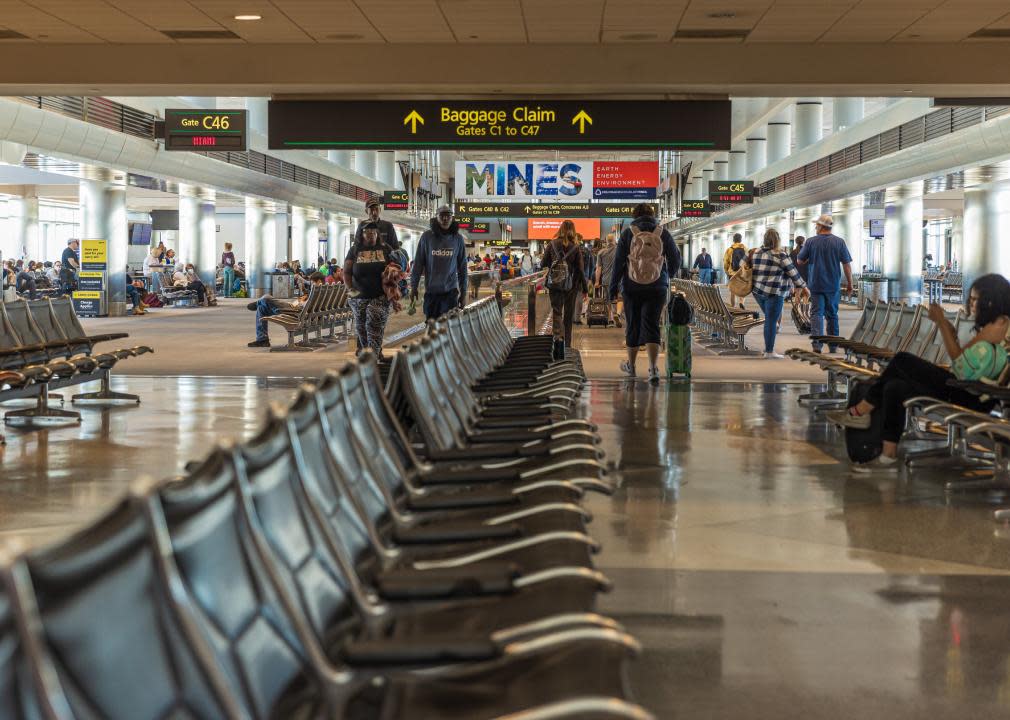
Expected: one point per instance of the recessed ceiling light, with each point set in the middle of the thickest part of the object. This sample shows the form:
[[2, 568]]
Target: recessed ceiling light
[[248, 17], [721, 15]]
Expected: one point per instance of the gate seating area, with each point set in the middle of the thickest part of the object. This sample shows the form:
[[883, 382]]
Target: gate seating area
[[946, 435], [44, 348], [342, 565], [325, 309], [716, 324]]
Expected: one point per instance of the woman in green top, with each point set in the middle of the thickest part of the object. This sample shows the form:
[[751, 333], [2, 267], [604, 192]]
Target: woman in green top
[[908, 376]]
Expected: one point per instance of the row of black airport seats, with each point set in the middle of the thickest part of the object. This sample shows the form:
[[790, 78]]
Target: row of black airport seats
[[325, 309], [958, 437], [340, 565], [43, 347]]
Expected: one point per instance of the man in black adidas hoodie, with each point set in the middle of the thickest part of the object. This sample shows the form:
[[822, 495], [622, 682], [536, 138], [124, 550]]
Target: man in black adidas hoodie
[[441, 258]]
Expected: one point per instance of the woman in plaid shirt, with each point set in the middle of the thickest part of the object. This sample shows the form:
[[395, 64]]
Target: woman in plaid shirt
[[773, 272]]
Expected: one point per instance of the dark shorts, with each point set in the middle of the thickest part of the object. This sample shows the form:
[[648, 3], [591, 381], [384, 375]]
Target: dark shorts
[[643, 311], [438, 304]]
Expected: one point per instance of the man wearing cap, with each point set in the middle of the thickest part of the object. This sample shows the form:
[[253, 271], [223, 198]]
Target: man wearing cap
[[441, 258], [387, 233], [823, 255]]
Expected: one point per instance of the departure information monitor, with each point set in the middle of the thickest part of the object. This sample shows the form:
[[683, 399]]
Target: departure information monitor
[[396, 199], [731, 192], [546, 210], [205, 130], [695, 208], [534, 123]]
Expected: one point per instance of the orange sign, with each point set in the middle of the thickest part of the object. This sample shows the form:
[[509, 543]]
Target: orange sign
[[547, 228]]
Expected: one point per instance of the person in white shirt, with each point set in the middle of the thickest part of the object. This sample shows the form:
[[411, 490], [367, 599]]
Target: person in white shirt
[[526, 264], [152, 269], [53, 274]]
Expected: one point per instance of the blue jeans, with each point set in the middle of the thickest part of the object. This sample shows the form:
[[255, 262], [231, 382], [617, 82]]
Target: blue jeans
[[134, 295], [228, 282], [824, 307], [705, 275], [266, 307], [771, 306]]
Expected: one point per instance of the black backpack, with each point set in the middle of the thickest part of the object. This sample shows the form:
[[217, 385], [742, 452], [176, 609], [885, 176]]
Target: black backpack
[[679, 311], [738, 255], [559, 277]]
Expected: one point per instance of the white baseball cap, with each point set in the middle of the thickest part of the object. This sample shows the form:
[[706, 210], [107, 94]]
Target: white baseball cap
[[825, 221]]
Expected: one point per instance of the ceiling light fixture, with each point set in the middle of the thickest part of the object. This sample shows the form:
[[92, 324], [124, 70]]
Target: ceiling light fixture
[[248, 17]]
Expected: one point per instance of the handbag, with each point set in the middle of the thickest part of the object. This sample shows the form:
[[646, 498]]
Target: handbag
[[742, 281]]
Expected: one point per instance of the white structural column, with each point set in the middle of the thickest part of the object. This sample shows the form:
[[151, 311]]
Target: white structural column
[[364, 162], [386, 171], [707, 176], [848, 217], [24, 216], [260, 244], [847, 112], [198, 231], [757, 154], [721, 166], [986, 248], [343, 158], [809, 122], [737, 163], [103, 217], [305, 235], [780, 140], [903, 241], [698, 180], [258, 120], [333, 237]]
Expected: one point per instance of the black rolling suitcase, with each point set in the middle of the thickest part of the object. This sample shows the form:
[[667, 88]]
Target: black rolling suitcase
[[864, 445], [598, 312]]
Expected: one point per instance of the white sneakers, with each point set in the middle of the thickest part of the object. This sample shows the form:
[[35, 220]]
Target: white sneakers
[[773, 356], [628, 369], [654, 375], [880, 464]]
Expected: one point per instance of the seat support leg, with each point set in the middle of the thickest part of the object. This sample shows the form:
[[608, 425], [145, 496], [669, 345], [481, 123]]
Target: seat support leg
[[106, 394], [41, 416]]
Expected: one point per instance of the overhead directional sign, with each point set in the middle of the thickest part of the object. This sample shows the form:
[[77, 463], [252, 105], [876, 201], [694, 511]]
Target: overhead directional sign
[[190, 129], [695, 208], [731, 192], [546, 210], [396, 199], [533, 123]]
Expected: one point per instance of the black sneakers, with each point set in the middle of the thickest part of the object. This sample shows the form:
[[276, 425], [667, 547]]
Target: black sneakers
[[251, 306], [259, 343]]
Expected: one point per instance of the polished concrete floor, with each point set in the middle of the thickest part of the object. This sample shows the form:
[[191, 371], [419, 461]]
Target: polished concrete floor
[[765, 580]]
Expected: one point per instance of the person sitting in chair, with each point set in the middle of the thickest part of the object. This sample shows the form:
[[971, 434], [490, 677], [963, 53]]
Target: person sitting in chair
[[268, 306]]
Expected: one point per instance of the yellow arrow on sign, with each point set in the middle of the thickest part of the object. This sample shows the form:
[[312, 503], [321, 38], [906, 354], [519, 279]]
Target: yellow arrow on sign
[[582, 118], [414, 118]]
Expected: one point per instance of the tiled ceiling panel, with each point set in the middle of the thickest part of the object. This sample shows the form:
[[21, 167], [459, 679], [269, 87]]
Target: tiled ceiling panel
[[486, 21], [955, 20], [275, 27], [628, 20], [563, 21], [330, 20], [874, 21], [39, 25], [408, 21], [799, 20], [166, 16], [101, 20]]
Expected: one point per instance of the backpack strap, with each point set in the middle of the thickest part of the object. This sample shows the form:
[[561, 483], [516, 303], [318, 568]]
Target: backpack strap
[[635, 230]]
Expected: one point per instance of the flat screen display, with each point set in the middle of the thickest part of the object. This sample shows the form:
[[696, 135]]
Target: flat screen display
[[140, 234], [877, 228], [547, 228]]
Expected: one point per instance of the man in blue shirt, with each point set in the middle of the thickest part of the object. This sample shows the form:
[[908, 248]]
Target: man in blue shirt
[[825, 255], [703, 264]]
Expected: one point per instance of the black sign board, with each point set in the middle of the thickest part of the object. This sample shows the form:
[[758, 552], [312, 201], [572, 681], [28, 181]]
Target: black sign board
[[731, 192], [396, 199], [695, 208], [546, 210], [479, 228], [500, 124], [464, 221], [205, 130]]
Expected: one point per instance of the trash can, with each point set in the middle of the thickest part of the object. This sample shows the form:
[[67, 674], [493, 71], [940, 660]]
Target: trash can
[[280, 285]]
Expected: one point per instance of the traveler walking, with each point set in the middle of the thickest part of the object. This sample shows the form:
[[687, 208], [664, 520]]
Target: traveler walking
[[825, 253], [365, 264], [605, 271], [881, 412], [441, 259], [646, 259], [589, 270], [566, 281], [703, 264], [731, 260], [794, 253], [228, 270], [387, 233], [773, 271], [526, 264]]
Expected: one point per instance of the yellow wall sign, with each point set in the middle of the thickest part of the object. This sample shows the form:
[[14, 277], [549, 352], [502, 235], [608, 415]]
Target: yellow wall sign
[[90, 274], [94, 252], [87, 295]]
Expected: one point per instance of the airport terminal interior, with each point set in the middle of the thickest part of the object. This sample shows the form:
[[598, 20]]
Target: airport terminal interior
[[504, 359]]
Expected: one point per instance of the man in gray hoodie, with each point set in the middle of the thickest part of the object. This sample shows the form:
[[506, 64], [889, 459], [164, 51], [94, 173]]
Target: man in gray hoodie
[[441, 259]]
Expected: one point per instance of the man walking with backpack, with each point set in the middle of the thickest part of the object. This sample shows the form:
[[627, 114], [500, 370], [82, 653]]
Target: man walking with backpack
[[645, 261], [732, 259]]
